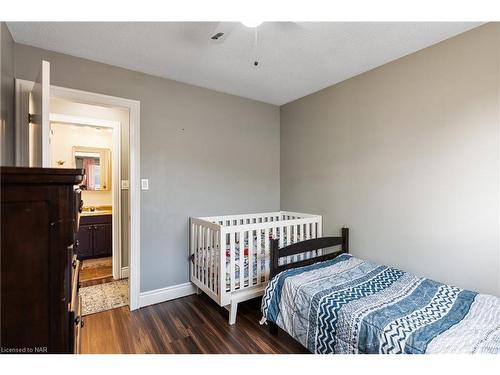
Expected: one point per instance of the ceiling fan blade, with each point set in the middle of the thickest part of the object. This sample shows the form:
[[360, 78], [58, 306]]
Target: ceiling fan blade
[[222, 31]]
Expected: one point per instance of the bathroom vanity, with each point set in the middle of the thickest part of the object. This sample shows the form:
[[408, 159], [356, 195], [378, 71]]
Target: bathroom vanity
[[95, 235]]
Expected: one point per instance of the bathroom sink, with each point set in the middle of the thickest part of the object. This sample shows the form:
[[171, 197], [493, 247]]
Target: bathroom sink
[[96, 211]]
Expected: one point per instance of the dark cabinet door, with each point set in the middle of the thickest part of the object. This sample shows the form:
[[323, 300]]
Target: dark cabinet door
[[85, 242], [102, 240]]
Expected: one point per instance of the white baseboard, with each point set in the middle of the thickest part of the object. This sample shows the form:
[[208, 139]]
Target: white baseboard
[[124, 272], [166, 294]]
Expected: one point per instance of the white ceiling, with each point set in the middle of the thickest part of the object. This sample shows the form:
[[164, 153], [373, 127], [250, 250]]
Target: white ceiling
[[295, 59]]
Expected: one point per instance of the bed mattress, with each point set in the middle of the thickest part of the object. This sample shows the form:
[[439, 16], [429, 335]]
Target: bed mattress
[[349, 305]]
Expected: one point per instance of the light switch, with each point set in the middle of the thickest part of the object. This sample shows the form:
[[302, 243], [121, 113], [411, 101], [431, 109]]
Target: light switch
[[145, 184], [124, 184]]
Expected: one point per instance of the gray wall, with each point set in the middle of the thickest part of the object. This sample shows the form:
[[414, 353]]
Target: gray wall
[[7, 125], [407, 155], [204, 152]]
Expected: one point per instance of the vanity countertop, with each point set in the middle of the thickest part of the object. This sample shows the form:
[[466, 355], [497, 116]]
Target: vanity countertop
[[96, 210]]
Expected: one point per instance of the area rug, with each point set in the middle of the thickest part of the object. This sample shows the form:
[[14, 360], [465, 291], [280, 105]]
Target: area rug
[[102, 297]]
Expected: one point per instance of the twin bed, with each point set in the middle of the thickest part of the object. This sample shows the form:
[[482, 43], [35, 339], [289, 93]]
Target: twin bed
[[337, 303], [330, 301]]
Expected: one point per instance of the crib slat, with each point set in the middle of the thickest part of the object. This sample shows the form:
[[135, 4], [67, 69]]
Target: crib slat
[[319, 233], [279, 229], [300, 256], [242, 260], [250, 258], [267, 258], [258, 250], [204, 255], [208, 271], [232, 274], [313, 235], [288, 241], [216, 261], [221, 263], [211, 273], [195, 249], [191, 247], [200, 255], [307, 237], [209, 263]]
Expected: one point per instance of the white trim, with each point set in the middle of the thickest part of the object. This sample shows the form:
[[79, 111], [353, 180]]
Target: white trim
[[124, 272], [134, 107], [166, 294], [45, 82], [21, 118], [115, 178], [81, 120]]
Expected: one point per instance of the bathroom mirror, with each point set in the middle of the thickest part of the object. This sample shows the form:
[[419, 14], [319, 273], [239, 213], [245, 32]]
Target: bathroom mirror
[[97, 165]]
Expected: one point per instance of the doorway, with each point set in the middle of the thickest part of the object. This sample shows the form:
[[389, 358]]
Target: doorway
[[94, 144], [24, 92]]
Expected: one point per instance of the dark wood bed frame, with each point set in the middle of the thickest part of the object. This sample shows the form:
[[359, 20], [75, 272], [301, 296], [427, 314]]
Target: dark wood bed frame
[[302, 247]]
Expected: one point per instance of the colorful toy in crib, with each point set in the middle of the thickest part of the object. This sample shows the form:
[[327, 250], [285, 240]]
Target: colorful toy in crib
[[245, 251]]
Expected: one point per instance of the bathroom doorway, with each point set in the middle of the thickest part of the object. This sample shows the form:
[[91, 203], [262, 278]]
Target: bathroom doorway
[[95, 139], [129, 184]]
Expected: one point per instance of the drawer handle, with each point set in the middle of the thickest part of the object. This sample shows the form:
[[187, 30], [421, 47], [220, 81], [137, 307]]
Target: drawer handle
[[80, 206], [79, 320], [74, 264]]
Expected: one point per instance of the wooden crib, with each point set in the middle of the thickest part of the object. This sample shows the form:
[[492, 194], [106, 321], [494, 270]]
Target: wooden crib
[[228, 275]]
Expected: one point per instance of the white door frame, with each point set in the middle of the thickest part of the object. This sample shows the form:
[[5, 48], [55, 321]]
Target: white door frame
[[45, 113], [115, 178], [23, 89], [134, 107]]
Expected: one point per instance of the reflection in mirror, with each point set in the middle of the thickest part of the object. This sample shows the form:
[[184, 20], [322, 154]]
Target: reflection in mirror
[[96, 163], [90, 162]]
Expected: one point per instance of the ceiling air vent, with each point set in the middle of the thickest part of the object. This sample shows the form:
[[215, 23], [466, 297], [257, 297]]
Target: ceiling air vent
[[217, 36]]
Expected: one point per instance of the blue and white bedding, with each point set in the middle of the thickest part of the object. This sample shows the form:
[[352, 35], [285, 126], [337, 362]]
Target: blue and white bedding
[[348, 305]]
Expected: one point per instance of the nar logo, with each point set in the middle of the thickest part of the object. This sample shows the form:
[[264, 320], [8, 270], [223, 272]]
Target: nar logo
[[25, 349]]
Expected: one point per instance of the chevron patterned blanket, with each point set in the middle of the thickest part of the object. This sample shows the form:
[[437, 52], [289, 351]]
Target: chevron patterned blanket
[[348, 305]]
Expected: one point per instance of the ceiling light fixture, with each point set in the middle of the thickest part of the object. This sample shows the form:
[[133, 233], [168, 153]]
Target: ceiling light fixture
[[251, 23]]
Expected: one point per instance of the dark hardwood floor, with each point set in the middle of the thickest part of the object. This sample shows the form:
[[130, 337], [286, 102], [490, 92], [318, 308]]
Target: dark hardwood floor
[[96, 271], [193, 324]]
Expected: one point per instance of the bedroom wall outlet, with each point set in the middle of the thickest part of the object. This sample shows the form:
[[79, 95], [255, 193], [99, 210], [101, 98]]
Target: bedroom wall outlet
[[145, 184], [124, 184]]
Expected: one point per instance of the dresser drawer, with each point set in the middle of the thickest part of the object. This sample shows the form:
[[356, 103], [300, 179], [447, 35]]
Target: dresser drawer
[[75, 265], [78, 322]]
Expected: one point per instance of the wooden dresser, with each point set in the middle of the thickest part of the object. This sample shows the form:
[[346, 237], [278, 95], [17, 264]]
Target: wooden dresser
[[39, 272]]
